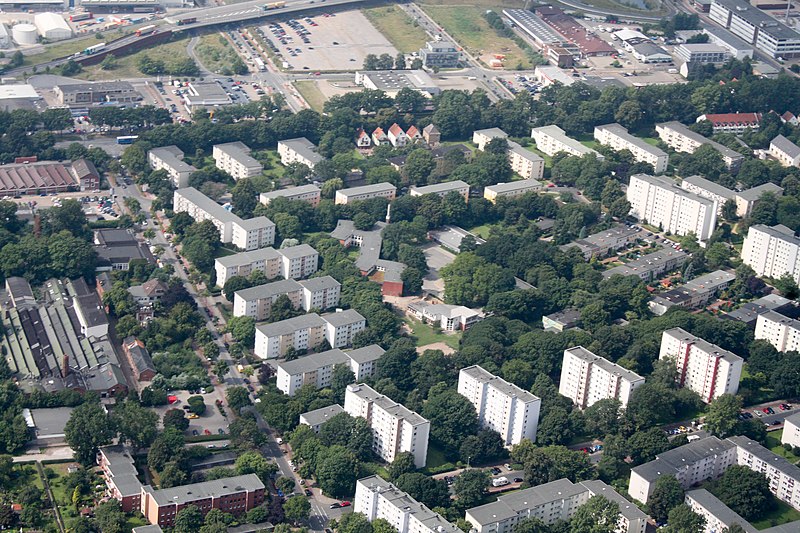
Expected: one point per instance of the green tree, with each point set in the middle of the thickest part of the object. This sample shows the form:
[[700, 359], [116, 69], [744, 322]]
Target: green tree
[[173, 475], [470, 487], [598, 515], [431, 492], [337, 468], [136, 424], [188, 520], [255, 463], [109, 517], [419, 166], [297, 508], [683, 520], [745, 491], [238, 397], [403, 464], [722, 415], [549, 463], [88, 428], [667, 494], [452, 418], [244, 198], [176, 418], [243, 329]]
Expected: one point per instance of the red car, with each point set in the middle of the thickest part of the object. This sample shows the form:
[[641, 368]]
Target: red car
[[765, 410], [206, 432], [345, 504]]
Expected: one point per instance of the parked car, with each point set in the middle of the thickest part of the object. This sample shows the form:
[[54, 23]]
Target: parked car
[[345, 504], [308, 492], [335, 505]]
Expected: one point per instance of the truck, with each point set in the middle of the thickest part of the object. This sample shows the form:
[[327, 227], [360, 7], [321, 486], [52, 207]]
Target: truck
[[80, 16], [260, 64], [144, 30], [94, 49], [184, 22], [274, 5], [500, 481]]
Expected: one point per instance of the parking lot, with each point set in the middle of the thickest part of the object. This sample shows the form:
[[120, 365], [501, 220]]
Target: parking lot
[[437, 258], [211, 421], [327, 42]]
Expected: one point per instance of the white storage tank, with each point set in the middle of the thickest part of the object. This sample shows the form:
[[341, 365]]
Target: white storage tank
[[52, 26], [5, 38], [25, 34]]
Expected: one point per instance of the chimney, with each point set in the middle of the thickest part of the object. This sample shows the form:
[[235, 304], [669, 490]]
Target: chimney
[[65, 369]]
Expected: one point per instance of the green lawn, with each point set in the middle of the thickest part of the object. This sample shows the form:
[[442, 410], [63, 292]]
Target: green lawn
[[126, 66], [482, 231], [310, 92], [65, 48], [425, 334], [782, 514], [774, 444], [395, 25], [216, 53]]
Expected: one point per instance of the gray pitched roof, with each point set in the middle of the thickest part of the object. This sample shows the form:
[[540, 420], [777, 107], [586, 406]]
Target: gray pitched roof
[[343, 318], [320, 416], [206, 489]]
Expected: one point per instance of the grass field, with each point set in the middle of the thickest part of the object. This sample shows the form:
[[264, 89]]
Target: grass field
[[63, 49], [396, 26], [468, 27], [425, 334], [216, 53], [774, 444], [311, 94], [482, 231], [126, 66], [783, 514]]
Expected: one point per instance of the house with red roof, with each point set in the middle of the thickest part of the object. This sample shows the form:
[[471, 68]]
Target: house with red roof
[[413, 134], [362, 139], [736, 123], [379, 137], [397, 136], [789, 118]]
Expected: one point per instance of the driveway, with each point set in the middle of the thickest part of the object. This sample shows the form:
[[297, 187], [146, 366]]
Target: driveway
[[437, 258]]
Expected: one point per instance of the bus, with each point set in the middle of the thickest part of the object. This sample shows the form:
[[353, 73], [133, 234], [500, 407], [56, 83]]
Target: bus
[[274, 5], [80, 16], [145, 30], [127, 139], [94, 49], [184, 22]]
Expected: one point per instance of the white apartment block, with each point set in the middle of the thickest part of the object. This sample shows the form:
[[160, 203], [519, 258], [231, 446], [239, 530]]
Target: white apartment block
[[358, 194], [785, 151], [702, 53], [273, 263], [718, 516], [304, 193], [618, 138], [681, 139], [708, 189], [235, 159], [317, 369], [550, 502], [377, 498], [660, 202], [780, 331], [783, 476], [483, 137], [691, 464], [317, 293], [791, 430], [395, 429], [501, 406], [442, 189], [249, 234], [756, 27], [511, 189], [702, 367], [307, 332], [524, 163], [299, 150], [772, 251], [298, 261], [552, 140], [587, 378], [170, 159]]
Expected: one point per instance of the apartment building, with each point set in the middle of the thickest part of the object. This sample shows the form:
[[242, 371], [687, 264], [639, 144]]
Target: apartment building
[[235, 495], [524, 163], [681, 139], [718, 516], [317, 369], [780, 331], [735, 123], [357, 194], [772, 251], [377, 498], [708, 189], [618, 138], [691, 464], [483, 137], [785, 151], [299, 150], [550, 502], [235, 159], [651, 265], [119, 474], [273, 263], [747, 200], [442, 189], [256, 302], [756, 27], [320, 293], [304, 193], [692, 294], [604, 242], [318, 417], [249, 234], [170, 159], [702, 367], [660, 202], [587, 378], [307, 332], [511, 189], [783, 476], [702, 53], [501, 406], [552, 140], [395, 429], [791, 430]]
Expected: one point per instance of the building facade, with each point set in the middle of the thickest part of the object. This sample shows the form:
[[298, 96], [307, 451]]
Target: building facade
[[442, 189], [587, 378], [317, 293], [552, 139], [511, 189], [772, 251], [618, 138], [702, 367], [525, 163], [395, 429], [307, 332], [304, 193], [791, 430], [441, 54], [170, 159], [780, 331], [660, 202], [317, 369], [501, 406], [234, 158], [681, 139], [299, 150], [357, 194], [785, 151], [752, 25]]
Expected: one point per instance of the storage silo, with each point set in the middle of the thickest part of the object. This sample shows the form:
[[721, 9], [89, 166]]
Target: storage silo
[[24, 34], [52, 26]]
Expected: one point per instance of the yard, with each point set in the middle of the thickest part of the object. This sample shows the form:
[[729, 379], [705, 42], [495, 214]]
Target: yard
[[783, 514], [311, 94], [774, 444], [468, 27], [127, 65], [482, 231], [426, 335], [396, 26]]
